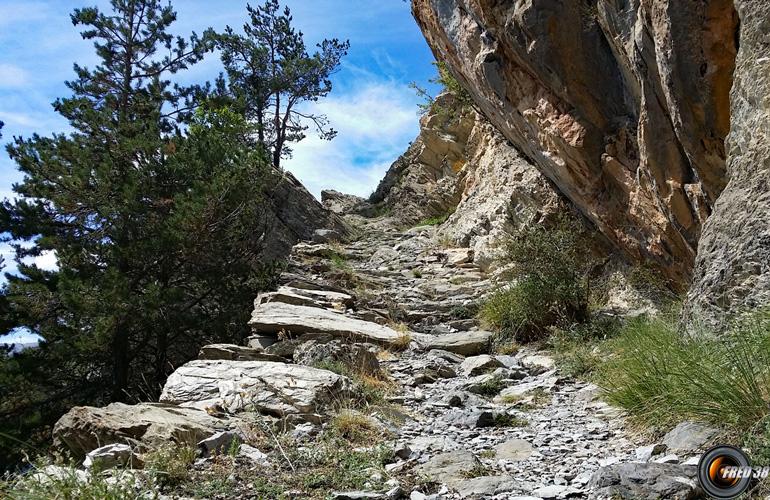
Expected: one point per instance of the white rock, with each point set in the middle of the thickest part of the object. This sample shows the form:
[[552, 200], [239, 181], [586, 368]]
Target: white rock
[[276, 388], [253, 454], [109, 456], [477, 365]]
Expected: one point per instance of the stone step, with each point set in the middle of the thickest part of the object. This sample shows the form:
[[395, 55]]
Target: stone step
[[275, 317], [465, 343], [304, 297]]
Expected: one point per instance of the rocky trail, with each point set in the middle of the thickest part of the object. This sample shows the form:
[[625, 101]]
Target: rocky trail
[[463, 421]]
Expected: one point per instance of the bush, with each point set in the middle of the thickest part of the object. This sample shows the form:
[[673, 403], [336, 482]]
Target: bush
[[550, 287], [662, 376]]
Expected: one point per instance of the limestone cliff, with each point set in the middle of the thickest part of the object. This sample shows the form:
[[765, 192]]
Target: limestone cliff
[[733, 265], [461, 167], [623, 105]]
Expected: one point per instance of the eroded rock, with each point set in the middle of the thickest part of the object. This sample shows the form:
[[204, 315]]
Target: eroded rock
[[269, 387]]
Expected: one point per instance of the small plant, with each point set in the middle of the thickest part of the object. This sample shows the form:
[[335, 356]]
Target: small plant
[[448, 84], [510, 348], [465, 311], [170, 464], [404, 336], [338, 261], [508, 420], [490, 387], [578, 349], [417, 273], [536, 398], [478, 470], [433, 221]]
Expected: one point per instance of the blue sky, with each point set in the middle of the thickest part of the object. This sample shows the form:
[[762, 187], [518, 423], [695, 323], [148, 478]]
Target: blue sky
[[371, 105]]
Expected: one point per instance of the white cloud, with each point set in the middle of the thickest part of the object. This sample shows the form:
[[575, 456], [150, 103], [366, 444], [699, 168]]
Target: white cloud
[[375, 120], [12, 76]]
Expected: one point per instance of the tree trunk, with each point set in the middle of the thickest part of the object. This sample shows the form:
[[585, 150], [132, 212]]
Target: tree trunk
[[120, 358]]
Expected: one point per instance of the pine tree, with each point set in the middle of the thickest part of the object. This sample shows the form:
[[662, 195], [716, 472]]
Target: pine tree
[[271, 74], [152, 207]]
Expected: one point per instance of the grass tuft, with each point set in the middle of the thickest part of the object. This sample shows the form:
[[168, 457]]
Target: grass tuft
[[662, 376]]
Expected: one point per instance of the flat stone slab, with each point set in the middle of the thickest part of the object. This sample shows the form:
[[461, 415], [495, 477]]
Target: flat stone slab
[[485, 486], [514, 450], [264, 386], [449, 468], [689, 437], [232, 352], [302, 297], [464, 343], [274, 317]]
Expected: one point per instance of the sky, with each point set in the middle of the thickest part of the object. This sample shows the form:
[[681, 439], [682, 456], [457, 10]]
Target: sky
[[371, 105]]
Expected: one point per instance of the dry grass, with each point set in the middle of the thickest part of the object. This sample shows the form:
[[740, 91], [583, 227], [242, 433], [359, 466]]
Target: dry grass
[[402, 342], [355, 427], [386, 355]]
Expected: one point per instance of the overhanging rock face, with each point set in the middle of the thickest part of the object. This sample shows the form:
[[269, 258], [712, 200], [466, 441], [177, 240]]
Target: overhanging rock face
[[623, 105]]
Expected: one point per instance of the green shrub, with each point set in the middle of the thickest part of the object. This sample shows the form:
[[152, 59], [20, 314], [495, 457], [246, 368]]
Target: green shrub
[[662, 376], [433, 221], [550, 287], [170, 465]]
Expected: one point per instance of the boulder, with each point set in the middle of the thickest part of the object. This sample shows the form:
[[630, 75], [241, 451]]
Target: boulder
[[253, 455], [268, 387], [232, 352], [464, 343], [218, 444], [274, 317], [689, 437], [645, 481], [86, 428], [326, 236], [358, 357]]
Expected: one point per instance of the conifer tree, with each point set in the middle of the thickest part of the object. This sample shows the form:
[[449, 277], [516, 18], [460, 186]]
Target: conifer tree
[[270, 74], [152, 208]]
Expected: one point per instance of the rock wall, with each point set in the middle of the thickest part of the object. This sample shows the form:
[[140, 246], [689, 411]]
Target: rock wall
[[426, 181], [732, 269], [622, 104], [461, 166], [292, 215]]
